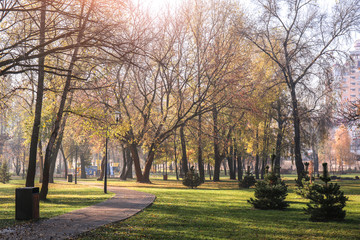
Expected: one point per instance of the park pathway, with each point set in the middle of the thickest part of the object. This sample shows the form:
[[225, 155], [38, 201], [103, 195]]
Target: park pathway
[[123, 205]]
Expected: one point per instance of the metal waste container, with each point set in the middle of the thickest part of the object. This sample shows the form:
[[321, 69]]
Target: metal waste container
[[70, 177], [26, 203]]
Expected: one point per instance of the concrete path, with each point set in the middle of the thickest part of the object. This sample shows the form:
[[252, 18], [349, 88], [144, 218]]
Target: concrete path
[[123, 205]]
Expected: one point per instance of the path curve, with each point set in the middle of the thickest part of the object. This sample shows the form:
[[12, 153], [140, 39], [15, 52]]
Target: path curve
[[123, 205]]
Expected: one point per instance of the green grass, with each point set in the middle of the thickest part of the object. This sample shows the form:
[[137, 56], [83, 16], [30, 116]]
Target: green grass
[[220, 211], [63, 197]]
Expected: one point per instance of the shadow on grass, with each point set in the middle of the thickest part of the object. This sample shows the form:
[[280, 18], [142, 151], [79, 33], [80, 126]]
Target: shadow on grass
[[188, 220]]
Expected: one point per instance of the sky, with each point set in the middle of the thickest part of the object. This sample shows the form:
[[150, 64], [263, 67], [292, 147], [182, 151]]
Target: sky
[[157, 5]]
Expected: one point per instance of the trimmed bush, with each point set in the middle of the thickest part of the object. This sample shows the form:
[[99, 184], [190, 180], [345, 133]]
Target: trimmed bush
[[192, 179]]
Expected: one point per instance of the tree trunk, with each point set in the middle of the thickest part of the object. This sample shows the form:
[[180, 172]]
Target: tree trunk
[[175, 158], [57, 146], [129, 164], [41, 161], [265, 147], [17, 166], [200, 154], [216, 147], [209, 170], [101, 177], [82, 165], [231, 161], [278, 148], [297, 140], [257, 157], [240, 170], [123, 171], [184, 161], [53, 164], [54, 157], [263, 166], [316, 161], [257, 170], [23, 165], [65, 162], [279, 137], [235, 159], [149, 161], [30, 177], [136, 161]]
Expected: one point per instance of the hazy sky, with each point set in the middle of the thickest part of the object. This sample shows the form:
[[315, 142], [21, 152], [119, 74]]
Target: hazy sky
[[157, 5]]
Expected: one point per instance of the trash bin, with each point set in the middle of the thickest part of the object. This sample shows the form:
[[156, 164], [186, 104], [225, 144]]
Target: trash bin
[[70, 177], [27, 203]]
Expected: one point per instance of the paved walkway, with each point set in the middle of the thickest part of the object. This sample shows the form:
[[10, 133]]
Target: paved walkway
[[123, 205]]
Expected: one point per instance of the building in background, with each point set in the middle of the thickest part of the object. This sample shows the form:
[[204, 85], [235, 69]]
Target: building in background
[[348, 78]]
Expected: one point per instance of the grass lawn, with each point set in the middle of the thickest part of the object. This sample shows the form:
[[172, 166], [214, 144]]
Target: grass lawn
[[220, 211], [63, 197]]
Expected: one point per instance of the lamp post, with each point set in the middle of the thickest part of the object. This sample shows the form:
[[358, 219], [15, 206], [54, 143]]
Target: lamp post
[[76, 155], [117, 119], [106, 160], [117, 116]]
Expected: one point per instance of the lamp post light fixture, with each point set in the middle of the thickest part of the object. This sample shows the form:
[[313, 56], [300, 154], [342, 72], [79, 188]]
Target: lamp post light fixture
[[117, 119], [117, 116]]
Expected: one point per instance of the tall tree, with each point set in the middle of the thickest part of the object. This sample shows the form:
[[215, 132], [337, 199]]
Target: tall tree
[[83, 24], [30, 177]]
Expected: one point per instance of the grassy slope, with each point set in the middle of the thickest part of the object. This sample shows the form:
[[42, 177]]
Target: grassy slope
[[221, 211], [63, 197]]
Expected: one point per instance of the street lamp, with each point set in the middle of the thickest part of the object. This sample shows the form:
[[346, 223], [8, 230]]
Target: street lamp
[[76, 156], [117, 119], [106, 160], [117, 116]]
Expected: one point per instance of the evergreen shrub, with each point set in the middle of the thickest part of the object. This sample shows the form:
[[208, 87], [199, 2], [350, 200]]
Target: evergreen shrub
[[248, 181], [326, 201], [270, 193], [192, 179], [4, 173]]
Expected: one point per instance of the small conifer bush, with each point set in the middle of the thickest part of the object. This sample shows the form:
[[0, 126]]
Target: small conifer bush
[[248, 181], [4, 173], [192, 178], [326, 201], [270, 193]]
